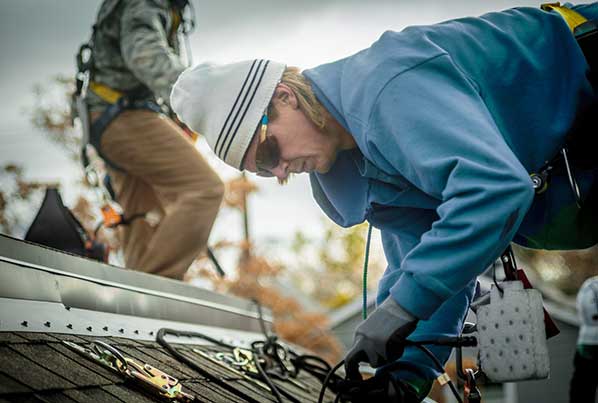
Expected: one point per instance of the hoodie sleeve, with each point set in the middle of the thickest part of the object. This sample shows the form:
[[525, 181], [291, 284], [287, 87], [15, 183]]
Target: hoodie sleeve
[[431, 125], [145, 48]]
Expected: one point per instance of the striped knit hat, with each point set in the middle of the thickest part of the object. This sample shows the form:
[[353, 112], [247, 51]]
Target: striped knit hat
[[225, 103]]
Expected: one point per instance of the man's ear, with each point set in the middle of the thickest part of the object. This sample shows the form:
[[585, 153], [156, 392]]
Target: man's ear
[[284, 95]]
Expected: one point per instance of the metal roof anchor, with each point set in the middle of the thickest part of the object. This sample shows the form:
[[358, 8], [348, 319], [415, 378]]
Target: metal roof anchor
[[152, 379]]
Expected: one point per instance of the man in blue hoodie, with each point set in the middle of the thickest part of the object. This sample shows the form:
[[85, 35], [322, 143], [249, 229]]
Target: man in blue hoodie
[[430, 135]]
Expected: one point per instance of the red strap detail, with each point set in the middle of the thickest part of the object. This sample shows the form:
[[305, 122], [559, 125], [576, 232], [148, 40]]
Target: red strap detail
[[513, 273], [551, 327]]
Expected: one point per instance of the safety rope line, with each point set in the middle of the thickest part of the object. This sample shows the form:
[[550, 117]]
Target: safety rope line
[[571, 17]]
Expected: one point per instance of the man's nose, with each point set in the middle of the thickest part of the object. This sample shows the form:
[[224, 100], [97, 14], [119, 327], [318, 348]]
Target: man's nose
[[281, 170]]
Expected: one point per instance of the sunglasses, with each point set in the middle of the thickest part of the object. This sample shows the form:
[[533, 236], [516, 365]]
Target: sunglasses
[[267, 154]]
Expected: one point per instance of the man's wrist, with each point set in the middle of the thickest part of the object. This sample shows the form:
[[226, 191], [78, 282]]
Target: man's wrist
[[391, 306]]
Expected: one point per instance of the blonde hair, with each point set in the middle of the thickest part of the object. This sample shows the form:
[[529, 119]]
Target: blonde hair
[[306, 98]]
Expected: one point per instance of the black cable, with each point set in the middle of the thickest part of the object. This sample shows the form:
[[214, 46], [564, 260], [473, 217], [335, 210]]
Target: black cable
[[494, 278], [217, 266], [270, 341], [180, 333], [318, 371], [305, 357], [270, 347], [263, 348], [327, 380], [440, 369], [264, 375], [192, 364], [447, 341], [456, 341], [261, 318], [267, 379]]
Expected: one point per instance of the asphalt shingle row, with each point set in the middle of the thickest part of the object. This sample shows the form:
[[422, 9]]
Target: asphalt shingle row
[[38, 367]]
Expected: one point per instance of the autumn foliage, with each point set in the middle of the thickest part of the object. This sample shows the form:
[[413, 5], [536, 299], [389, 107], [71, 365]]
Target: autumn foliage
[[255, 278]]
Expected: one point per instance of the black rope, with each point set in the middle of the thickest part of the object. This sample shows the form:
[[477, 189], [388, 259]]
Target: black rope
[[440, 369], [329, 376], [318, 371], [181, 357], [445, 341], [268, 351], [271, 349], [260, 315], [448, 341], [267, 379], [217, 266]]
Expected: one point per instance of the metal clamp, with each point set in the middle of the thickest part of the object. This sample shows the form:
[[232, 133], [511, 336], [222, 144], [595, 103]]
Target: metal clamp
[[540, 181], [470, 390], [154, 380], [219, 359]]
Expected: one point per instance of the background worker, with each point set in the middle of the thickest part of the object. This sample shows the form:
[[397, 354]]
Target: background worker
[[584, 382], [153, 164], [430, 135]]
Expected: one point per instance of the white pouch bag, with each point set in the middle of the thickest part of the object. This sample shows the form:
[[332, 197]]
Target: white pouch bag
[[511, 334]]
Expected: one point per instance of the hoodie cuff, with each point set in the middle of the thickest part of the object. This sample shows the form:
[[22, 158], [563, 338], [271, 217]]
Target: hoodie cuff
[[419, 301]]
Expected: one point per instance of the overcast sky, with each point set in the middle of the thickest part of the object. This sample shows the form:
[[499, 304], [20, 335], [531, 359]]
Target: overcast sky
[[38, 40]]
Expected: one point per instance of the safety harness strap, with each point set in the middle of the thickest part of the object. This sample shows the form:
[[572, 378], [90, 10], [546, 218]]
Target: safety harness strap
[[571, 17], [176, 22], [122, 103], [106, 93]]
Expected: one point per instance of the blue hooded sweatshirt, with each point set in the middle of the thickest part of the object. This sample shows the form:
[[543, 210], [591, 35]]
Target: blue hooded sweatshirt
[[449, 122]]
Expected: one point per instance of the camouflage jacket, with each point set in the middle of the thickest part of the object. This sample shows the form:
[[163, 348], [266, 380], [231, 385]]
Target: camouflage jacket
[[135, 44]]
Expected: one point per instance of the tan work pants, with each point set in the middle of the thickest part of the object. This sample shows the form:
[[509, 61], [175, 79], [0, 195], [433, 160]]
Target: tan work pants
[[165, 174]]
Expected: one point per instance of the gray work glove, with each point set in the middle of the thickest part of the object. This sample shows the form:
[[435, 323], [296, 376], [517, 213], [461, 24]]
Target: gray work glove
[[379, 339]]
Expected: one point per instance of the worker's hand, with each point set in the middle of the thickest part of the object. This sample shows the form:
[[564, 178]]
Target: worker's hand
[[379, 339]]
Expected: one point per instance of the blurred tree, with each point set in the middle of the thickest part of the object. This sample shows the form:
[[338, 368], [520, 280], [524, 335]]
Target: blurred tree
[[51, 114], [564, 270], [331, 270], [256, 278], [18, 197]]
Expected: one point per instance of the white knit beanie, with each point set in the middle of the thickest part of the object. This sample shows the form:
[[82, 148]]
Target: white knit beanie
[[225, 103]]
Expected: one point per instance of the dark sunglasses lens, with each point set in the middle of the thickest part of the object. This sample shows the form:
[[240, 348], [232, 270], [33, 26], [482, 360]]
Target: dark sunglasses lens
[[267, 154], [264, 174]]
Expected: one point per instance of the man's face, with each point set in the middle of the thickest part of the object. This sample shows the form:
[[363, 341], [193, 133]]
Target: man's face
[[294, 143]]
